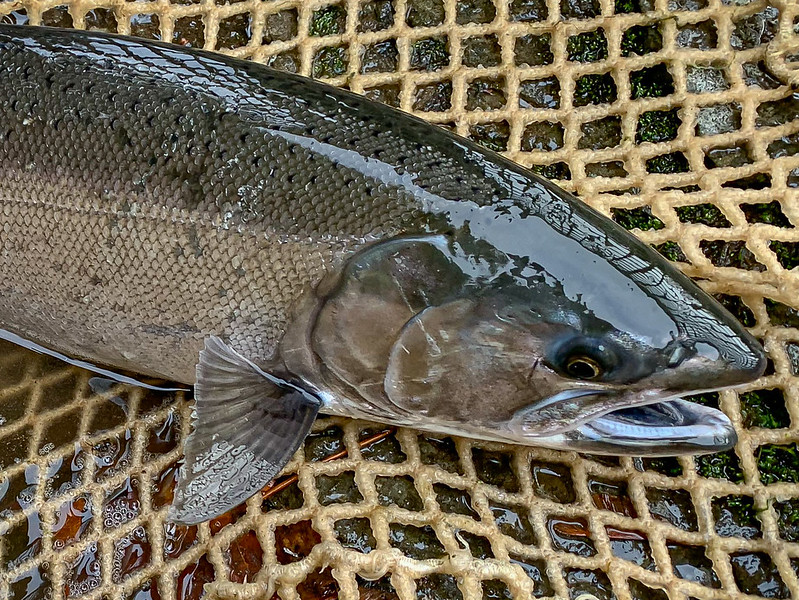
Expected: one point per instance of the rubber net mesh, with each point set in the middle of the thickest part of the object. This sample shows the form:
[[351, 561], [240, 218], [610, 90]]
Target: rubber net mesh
[[674, 117]]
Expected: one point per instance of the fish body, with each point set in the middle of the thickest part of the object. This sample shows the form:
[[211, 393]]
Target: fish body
[[320, 252]]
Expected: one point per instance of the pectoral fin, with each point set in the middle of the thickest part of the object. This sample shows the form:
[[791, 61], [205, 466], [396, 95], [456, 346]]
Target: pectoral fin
[[247, 425]]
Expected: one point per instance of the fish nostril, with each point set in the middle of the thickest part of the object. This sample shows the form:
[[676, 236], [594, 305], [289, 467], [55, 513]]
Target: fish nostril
[[708, 351], [678, 354]]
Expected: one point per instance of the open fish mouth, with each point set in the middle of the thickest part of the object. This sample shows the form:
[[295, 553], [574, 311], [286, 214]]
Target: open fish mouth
[[664, 428]]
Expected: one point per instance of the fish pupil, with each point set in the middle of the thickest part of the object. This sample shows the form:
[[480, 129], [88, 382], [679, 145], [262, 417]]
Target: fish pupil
[[583, 367]]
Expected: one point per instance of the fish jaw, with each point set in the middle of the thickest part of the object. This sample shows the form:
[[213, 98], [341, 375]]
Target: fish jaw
[[667, 428], [650, 424]]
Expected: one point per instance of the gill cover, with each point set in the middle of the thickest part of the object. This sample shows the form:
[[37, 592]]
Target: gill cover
[[381, 289]]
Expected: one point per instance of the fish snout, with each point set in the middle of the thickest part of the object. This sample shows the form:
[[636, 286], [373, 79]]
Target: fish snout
[[715, 362]]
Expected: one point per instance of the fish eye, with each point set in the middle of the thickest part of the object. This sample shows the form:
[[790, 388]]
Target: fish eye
[[584, 358], [583, 367]]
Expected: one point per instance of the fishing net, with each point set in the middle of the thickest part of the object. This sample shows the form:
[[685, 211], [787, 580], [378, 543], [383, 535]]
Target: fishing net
[[674, 117]]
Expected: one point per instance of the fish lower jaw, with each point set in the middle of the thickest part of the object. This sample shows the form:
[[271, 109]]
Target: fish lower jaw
[[670, 427]]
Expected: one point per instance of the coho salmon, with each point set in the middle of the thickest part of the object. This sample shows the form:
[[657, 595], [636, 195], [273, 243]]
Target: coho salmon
[[289, 248]]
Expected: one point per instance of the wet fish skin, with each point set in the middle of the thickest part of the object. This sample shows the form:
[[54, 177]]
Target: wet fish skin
[[152, 197], [117, 147]]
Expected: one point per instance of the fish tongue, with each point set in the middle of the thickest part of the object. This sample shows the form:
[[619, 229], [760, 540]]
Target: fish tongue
[[247, 425]]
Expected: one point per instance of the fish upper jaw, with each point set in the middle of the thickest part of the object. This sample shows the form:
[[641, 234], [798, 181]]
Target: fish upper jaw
[[652, 423]]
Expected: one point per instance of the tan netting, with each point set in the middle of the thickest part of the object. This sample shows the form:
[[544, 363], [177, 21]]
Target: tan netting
[[672, 116]]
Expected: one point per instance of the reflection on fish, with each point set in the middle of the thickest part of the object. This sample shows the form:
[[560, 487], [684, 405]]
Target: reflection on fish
[[322, 253]]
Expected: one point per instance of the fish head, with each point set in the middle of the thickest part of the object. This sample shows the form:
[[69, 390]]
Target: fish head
[[551, 327], [564, 377]]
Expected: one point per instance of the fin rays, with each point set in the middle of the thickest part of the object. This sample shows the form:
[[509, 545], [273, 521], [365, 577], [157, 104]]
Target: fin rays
[[247, 425]]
